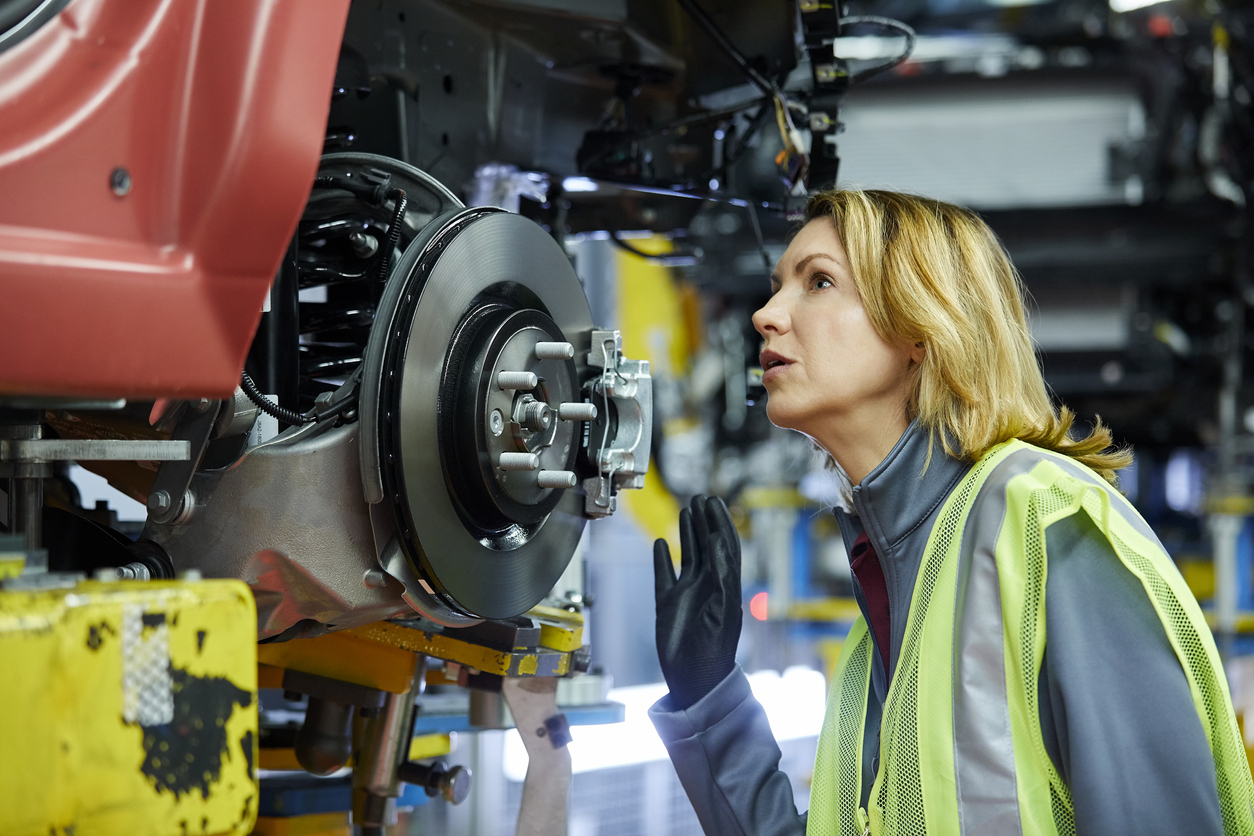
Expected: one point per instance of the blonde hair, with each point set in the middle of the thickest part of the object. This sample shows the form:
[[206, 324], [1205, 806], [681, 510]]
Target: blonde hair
[[934, 273]]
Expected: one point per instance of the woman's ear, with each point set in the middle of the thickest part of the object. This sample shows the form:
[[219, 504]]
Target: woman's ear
[[917, 353]]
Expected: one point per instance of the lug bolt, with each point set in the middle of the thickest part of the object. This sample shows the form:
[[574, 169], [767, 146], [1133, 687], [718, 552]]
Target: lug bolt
[[517, 380], [559, 479], [554, 351], [519, 461], [577, 412]]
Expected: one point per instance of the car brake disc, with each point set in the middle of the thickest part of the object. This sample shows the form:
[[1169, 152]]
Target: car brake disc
[[475, 370]]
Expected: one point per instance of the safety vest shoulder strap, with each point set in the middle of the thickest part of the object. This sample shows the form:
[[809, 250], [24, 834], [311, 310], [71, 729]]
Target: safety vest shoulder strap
[[1053, 488]]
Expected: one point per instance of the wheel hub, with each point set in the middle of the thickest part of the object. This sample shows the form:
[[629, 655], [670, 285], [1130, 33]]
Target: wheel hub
[[507, 374]]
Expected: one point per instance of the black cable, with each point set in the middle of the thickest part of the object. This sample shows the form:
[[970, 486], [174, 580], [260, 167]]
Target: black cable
[[682, 122], [271, 408], [619, 242], [707, 23], [347, 407], [394, 233], [662, 260], [742, 143], [887, 23], [757, 233]]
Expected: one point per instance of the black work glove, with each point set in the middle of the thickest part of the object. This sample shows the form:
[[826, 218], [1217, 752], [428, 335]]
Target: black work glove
[[698, 614]]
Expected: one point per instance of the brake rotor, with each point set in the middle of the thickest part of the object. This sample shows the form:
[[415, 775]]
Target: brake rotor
[[488, 339]]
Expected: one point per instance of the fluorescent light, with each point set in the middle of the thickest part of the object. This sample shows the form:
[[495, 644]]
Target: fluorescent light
[[1131, 5], [1183, 482], [794, 704], [579, 184]]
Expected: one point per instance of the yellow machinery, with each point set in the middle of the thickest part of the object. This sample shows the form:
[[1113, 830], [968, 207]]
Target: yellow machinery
[[135, 705], [128, 708]]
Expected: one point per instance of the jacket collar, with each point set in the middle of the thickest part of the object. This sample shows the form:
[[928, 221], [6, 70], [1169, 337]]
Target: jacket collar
[[897, 504], [905, 490]]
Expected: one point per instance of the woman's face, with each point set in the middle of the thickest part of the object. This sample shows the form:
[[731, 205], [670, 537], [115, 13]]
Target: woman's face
[[826, 370]]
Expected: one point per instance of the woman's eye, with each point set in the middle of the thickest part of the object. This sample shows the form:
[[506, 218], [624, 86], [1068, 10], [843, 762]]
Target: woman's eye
[[820, 282]]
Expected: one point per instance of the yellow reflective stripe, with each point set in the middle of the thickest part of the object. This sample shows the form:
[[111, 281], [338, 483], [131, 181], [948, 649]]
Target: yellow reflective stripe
[[1044, 800], [836, 790]]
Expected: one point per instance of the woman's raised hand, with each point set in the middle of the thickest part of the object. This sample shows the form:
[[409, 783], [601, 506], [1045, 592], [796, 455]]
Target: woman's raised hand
[[699, 613]]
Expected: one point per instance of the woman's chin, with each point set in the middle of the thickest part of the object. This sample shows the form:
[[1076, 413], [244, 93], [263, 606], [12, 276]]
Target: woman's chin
[[780, 415]]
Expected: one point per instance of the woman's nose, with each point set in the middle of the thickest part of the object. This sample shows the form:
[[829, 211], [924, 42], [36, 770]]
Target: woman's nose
[[771, 318]]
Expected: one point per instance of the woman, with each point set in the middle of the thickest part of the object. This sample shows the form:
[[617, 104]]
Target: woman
[[1028, 660]]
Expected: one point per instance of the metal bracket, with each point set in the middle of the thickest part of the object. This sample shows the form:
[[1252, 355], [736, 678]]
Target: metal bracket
[[621, 461], [194, 429], [91, 450]]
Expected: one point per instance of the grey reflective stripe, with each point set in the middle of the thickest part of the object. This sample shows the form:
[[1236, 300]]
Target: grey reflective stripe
[[984, 760], [1117, 501]]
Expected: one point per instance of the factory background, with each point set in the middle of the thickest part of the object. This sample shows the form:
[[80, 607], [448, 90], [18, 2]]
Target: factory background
[[1108, 143]]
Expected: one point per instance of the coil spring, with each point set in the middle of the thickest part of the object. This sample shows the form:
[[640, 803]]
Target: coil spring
[[345, 248]]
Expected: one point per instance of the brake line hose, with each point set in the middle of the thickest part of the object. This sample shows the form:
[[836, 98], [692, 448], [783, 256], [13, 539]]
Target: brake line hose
[[394, 233], [269, 407]]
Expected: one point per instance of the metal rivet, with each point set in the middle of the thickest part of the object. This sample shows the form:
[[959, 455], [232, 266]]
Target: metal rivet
[[497, 422], [120, 182]]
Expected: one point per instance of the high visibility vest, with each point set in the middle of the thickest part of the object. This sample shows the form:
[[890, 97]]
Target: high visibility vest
[[961, 748]]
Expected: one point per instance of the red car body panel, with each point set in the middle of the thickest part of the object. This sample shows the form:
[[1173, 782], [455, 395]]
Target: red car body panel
[[217, 110]]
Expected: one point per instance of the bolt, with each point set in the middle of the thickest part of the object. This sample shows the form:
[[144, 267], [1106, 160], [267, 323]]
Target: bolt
[[554, 351], [375, 579], [519, 461], [517, 380], [132, 572], [559, 479], [577, 412], [159, 502], [496, 422], [363, 245], [120, 181], [455, 785]]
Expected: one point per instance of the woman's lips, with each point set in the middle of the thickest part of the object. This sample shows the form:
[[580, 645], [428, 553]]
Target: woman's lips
[[775, 371]]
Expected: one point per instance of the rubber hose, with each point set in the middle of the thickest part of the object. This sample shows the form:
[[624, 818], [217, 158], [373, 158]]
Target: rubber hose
[[287, 416], [394, 233]]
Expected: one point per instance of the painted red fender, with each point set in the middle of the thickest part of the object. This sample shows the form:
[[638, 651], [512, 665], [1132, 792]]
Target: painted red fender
[[216, 110]]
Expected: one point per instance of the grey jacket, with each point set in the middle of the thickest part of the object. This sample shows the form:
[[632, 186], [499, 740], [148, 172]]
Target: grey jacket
[[1116, 712]]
